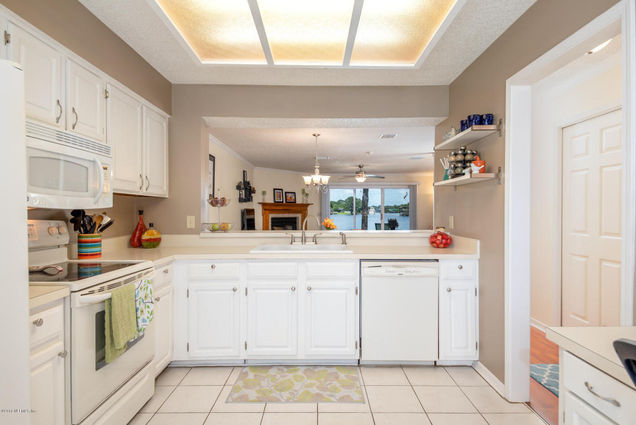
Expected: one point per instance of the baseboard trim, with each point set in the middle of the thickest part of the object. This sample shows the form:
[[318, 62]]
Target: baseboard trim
[[489, 377], [538, 324]]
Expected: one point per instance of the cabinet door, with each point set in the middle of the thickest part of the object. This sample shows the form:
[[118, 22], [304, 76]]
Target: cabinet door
[[272, 316], [43, 82], [457, 320], [47, 385], [577, 412], [155, 153], [214, 319], [163, 328], [86, 102], [330, 319], [124, 134]]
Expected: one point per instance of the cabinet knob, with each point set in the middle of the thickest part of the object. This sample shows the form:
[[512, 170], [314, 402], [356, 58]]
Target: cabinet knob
[[460, 267], [293, 288], [157, 299], [234, 289], [309, 288], [166, 271], [448, 289], [38, 322], [63, 354], [213, 266]]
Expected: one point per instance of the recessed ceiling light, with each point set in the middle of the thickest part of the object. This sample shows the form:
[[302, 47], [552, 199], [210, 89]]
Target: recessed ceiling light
[[388, 136], [600, 47]]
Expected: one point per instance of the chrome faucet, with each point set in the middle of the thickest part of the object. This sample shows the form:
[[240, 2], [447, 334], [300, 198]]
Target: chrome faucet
[[303, 237]]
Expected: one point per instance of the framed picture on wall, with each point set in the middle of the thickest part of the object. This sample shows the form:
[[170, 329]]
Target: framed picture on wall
[[278, 196], [211, 171], [290, 197]]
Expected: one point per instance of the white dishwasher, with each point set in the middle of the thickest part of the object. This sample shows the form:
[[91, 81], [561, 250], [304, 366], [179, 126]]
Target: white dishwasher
[[398, 311]]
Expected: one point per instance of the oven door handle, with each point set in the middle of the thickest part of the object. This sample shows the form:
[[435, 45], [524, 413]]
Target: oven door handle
[[93, 299]]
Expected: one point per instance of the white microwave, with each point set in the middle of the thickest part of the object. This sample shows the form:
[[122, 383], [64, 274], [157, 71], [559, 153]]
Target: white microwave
[[65, 170]]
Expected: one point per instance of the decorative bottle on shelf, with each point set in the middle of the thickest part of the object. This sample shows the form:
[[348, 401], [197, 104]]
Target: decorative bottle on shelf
[[135, 238]]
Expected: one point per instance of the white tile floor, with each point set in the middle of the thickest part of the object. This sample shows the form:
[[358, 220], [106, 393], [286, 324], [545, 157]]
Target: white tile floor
[[394, 396]]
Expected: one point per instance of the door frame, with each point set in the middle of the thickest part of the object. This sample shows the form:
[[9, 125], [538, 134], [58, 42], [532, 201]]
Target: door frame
[[619, 18]]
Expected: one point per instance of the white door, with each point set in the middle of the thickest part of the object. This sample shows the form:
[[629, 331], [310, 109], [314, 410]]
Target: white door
[[124, 134], [577, 412], [330, 319], [163, 328], [86, 102], [272, 317], [43, 82], [457, 320], [155, 153], [214, 319], [47, 386], [592, 193]]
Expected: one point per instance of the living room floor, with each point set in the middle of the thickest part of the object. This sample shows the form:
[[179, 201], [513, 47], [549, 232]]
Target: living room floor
[[542, 400], [393, 396]]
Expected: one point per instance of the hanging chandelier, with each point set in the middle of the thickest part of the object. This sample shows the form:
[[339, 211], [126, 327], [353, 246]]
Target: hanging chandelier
[[317, 180]]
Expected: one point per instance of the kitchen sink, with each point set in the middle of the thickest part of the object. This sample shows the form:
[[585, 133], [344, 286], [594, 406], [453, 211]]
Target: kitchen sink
[[285, 249]]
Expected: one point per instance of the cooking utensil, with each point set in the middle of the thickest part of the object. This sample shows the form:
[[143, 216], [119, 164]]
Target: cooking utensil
[[106, 225], [97, 219]]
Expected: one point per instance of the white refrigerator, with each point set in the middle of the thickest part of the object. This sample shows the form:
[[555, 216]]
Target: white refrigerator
[[14, 282]]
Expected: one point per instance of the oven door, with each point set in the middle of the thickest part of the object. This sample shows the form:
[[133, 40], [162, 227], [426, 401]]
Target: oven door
[[92, 379], [62, 177]]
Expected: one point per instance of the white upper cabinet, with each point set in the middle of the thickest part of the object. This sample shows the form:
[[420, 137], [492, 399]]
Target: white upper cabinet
[[86, 102], [42, 65], [272, 319], [155, 153], [124, 134], [214, 319], [330, 318]]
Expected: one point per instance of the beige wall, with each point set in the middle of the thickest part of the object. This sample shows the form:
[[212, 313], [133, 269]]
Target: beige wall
[[558, 100], [189, 135], [72, 25], [479, 209], [267, 179]]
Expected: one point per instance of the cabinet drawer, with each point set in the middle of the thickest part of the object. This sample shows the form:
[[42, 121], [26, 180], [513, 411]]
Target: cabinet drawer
[[215, 271], [46, 325], [163, 276], [273, 270], [599, 390], [319, 270], [458, 269]]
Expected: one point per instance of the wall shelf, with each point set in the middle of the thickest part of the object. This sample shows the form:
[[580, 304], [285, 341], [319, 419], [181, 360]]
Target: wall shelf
[[469, 136], [468, 179]]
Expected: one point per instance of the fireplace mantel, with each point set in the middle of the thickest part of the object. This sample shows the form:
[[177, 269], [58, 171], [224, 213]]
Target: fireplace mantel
[[282, 208]]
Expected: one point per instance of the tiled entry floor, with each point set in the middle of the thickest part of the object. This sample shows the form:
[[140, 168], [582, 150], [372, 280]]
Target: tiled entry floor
[[395, 396]]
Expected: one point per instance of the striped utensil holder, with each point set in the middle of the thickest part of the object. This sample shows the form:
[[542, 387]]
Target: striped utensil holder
[[89, 245]]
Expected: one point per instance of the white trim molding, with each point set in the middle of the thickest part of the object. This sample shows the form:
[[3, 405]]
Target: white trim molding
[[490, 378]]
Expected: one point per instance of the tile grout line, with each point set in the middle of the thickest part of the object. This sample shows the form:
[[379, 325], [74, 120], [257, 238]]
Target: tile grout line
[[366, 394], [466, 395], [414, 392], [218, 395]]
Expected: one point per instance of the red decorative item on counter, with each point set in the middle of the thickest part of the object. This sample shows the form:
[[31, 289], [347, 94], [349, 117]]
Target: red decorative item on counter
[[135, 238], [440, 240]]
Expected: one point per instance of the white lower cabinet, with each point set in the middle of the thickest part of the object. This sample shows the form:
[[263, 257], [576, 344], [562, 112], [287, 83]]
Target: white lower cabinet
[[458, 311], [330, 318], [272, 319], [48, 362], [214, 319], [163, 325], [577, 412]]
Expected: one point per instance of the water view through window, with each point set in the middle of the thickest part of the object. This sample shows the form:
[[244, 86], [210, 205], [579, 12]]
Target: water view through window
[[375, 208]]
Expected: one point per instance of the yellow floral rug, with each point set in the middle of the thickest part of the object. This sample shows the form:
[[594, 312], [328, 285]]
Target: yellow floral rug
[[289, 384]]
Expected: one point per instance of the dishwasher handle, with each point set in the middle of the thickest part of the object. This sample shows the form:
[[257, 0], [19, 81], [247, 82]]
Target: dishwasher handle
[[402, 270]]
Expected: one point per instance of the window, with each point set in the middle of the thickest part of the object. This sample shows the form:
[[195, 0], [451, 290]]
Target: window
[[375, 207]]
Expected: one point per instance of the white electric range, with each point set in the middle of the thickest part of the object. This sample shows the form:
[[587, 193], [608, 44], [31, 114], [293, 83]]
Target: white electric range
[[98, 390]]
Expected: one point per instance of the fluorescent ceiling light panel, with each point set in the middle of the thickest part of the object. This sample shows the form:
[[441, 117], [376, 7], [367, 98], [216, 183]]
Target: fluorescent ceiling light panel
[[307, 32], [396, 32], [218, 31]]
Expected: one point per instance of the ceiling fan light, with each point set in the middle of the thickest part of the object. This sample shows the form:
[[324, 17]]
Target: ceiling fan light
[[307, 180], [361, 179]]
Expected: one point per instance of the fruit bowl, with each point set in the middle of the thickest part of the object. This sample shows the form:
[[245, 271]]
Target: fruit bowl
[[440, 239], [226, 227], [214, 227]]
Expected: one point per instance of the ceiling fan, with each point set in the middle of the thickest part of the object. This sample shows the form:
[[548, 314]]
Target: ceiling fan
[[361, 176]]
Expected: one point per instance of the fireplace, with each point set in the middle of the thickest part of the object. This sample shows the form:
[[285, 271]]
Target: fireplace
[[284, 222], [283, 216]]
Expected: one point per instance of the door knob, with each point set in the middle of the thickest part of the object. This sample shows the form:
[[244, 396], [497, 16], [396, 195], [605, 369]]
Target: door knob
[[213, 266], [166, 271], [460, 267], [293, 288], [157, 299], [234, 289], [448, 289], [309, 288], [63, 354], [38, 322]]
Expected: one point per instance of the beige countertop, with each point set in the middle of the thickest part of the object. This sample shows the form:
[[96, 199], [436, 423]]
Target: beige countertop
[[163, 255], [594, 345], [40, 295]]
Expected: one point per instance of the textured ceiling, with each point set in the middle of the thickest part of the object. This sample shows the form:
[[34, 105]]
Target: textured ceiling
[[460, 41], [292, 148]]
